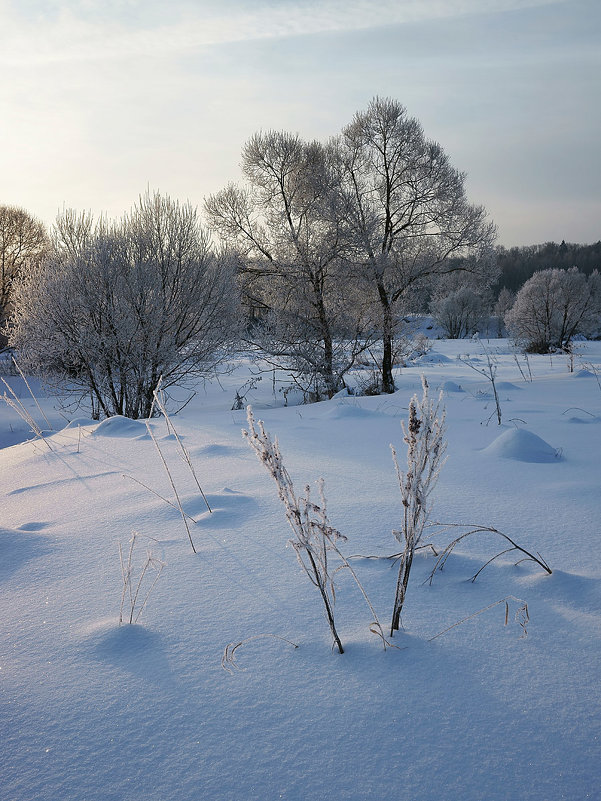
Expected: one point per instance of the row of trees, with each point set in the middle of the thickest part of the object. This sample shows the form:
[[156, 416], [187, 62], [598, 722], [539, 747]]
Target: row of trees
[[325, 246], [518, 264], [548, 311]]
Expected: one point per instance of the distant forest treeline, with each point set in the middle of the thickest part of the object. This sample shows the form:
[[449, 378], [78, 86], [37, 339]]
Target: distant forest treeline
[[518, 264]]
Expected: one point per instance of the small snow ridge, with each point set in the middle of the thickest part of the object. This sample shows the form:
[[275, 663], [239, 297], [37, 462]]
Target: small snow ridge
[[120, 426], [523, 446], [81, 421], [342, 393], [433, 358], [109, 639], [507, 385], [32, 526], [219, 450], [451, 386], [343, 411]]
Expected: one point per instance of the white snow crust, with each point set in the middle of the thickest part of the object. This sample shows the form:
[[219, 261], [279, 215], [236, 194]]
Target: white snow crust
[[94, 711]]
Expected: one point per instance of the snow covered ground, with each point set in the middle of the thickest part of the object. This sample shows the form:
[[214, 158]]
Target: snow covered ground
[[95, 711]]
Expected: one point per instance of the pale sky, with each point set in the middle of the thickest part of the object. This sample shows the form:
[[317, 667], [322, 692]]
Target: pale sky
[[101, 99]]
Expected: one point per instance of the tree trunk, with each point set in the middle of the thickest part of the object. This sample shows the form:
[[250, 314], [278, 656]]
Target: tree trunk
[[387, 341], [328, 348]]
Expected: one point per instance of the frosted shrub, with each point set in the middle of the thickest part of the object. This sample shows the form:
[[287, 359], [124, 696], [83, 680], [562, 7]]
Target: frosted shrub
[[426, 446], [314, 538]]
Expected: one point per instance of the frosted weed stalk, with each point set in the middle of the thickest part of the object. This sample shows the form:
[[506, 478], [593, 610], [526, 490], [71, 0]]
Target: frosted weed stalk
[[426, 446], [314, 538]]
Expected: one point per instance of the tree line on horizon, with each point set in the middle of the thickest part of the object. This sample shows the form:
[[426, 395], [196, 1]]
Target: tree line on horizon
[[313, 260]]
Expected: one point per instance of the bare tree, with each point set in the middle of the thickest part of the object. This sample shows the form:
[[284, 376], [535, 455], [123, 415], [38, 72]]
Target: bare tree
[[288, 227], [23, 240], [409, 217], [116, 306], [552, 307]]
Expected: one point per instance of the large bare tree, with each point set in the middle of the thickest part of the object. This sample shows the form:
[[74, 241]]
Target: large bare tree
[[408, 215], [23, 239], [288, 225]]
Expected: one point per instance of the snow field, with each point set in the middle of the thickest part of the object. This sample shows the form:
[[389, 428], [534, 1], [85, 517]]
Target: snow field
[[94, 711]]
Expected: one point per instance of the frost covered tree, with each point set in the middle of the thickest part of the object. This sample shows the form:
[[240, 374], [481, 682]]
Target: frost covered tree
[[459, 312], [115, 306], [288, 226], [552, 307], [410, 220], [23, 240]]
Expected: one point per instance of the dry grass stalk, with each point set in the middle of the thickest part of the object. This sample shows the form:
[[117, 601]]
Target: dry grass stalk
[[521, 617], [490, 373], [172, 482], [228, 660], [31, 392], [158, 400], [313, 536], [16, 404], [131, 592]]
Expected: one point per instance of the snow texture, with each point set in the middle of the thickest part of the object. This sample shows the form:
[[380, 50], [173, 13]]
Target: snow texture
[[94, 711]]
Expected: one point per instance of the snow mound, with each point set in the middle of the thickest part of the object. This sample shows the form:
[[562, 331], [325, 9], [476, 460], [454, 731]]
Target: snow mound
[[120, 426], [523, 446], [451, 386], [584, 374], [507, 385], [19, 546]]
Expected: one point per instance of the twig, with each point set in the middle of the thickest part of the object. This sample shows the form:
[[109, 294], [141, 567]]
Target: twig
[[475, 529], [154, 492], [578, 409], [522, 616], [228, 660]]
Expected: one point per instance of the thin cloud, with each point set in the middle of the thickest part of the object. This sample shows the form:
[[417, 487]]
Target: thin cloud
[[71, 35]]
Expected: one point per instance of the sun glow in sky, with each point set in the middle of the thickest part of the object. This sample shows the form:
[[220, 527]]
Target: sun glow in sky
[[100, 99]]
